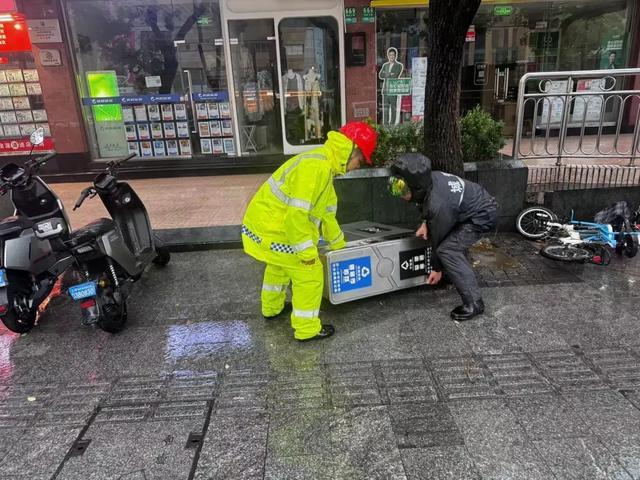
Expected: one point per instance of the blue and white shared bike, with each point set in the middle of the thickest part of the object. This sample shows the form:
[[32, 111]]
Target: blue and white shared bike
[[571, 240]]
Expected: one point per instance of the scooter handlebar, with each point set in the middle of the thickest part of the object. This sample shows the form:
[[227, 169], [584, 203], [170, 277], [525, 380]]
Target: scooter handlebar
[[46, 158]]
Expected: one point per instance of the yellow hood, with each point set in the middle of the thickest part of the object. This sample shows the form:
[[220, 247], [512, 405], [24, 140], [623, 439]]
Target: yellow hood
[[340, 148]]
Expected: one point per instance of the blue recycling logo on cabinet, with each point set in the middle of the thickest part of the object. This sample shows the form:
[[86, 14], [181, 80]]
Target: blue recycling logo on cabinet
[[351, 274]]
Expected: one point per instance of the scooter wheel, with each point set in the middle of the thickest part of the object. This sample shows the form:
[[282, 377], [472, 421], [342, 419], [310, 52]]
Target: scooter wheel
[[112, 317], [18, 324], [162, 256]]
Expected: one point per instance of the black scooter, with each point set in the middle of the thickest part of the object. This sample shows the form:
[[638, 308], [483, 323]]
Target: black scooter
[[37, 246], [33, 253], [112, 254]]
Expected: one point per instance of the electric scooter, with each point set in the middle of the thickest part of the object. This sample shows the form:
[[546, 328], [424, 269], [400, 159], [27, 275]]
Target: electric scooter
[[112, 254], [33, 253]]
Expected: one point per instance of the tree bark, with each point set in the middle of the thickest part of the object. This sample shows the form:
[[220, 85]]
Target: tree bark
[[447, 26]]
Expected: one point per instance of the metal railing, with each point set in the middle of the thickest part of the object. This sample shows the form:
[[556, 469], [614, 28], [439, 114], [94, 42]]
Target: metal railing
[[580, 177], [592, 114]]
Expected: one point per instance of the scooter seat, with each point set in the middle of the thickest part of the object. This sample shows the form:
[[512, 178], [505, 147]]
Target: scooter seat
[[92, 231], [12, 225]]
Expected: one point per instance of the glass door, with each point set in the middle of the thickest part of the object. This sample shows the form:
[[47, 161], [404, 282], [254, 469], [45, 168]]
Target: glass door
[[508, 43], [254, 64]]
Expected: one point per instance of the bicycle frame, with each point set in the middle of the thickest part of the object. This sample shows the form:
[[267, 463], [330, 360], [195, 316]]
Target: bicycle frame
[[588, 232]]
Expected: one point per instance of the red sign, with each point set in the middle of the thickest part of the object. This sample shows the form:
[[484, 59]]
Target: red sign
[[23, 146], [7, 6], [471, 34], [14, 33]]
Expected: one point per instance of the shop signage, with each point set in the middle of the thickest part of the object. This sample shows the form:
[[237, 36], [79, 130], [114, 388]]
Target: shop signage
[[45, 30], [14, 35], [7, 5], [13, 147], [153, 81], [215, 96], [50, 58], [502, 10], [398, 86], [350, 15], [133, 100], [480, 73], [419, 83], [368, 15], [471, 34]]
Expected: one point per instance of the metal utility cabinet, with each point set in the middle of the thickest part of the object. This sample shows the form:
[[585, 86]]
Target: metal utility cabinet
[[377, 259]]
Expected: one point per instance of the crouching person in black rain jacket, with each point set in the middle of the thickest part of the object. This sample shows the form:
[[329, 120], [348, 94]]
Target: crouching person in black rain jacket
[[455, 215]]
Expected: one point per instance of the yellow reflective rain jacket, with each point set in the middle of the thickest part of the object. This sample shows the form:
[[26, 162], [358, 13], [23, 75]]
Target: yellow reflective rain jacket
[[281, 225]]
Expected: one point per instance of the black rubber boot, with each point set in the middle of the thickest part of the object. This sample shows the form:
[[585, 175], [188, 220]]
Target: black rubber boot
[[468, 311], [286, 309], [325, 332]]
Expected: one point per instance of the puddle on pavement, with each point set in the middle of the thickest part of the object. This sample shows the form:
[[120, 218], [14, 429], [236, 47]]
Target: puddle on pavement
[[7, 339], [484, 253]]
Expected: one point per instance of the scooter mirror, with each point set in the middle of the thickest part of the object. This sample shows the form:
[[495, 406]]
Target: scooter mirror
[[37, 137]]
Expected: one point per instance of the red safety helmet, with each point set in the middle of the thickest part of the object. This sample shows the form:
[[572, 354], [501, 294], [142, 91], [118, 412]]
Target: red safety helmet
[[363, 135]]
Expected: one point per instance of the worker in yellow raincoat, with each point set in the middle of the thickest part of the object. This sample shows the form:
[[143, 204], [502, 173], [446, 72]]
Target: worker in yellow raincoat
[[288, 214]]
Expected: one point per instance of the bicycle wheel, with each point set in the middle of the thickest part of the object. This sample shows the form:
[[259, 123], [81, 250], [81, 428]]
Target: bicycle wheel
[[533, 222], [566, 253]]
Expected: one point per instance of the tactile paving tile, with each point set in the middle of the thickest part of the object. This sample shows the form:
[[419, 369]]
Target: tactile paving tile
[[192, 387], [138, 389], [462, 377], [567, 371], [244, 389], [515, 374], [299, 389], [618, 366], [353, 384], [407, 381]]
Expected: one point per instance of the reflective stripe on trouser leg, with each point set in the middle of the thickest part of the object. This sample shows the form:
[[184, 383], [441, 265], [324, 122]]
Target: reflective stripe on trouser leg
[[274, 290], [307, 294]]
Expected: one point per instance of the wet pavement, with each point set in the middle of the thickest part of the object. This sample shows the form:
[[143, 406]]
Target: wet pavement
[[546, 385]]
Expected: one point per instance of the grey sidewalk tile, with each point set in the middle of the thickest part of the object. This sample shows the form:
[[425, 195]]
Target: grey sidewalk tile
[[462, 377], [500, 460], [439, 463], [364, 445], [38, 451], [157, 449], [424, 425], [581, 458], [309, 467], [618, 366], [297, 432], [486, 421], [353, 384], [234, 447], [567, 371], [615, 422], [548, 415]]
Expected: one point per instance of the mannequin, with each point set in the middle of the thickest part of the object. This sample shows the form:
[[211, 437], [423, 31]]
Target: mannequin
[[312, 111], [293, 92]]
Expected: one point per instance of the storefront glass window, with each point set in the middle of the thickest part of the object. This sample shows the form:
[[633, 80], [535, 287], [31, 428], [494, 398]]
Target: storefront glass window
[[311, 78], [501, 46], [132, 57]]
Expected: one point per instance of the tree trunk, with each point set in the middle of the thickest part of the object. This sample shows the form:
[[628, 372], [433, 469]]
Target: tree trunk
[[447, 26]]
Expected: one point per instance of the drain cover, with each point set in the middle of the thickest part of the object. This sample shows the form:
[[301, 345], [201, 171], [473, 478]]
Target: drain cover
[[194, 440], [79, 447]]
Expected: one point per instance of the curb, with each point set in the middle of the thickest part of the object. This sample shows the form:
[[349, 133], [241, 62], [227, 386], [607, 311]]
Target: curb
[[195, 239]]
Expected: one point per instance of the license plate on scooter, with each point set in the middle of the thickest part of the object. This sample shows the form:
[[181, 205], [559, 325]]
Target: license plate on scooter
[[84, 290], [3, 278]]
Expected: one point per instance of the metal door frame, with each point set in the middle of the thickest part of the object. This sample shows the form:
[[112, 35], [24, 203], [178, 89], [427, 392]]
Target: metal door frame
[[277, 16]]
